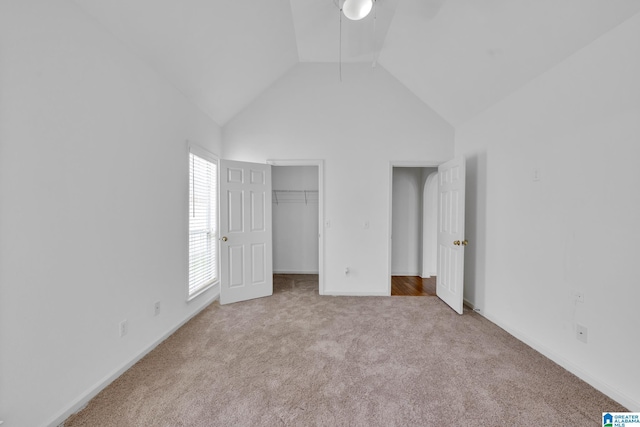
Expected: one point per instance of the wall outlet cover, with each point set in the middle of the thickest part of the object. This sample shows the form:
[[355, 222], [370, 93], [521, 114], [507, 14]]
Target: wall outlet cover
[[581, 333], [124, 328]]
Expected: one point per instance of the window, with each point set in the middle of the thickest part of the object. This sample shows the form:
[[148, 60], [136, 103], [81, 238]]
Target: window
[[203, 221]]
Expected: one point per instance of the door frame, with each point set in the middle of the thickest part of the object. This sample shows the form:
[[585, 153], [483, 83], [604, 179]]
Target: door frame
[[320, 164], [405, 164]]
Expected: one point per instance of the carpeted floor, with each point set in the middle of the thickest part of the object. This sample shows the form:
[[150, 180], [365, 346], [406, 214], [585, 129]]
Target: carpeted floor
[[298, 359]]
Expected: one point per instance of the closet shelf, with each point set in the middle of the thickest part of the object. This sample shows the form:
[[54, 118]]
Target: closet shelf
[[295, 196]]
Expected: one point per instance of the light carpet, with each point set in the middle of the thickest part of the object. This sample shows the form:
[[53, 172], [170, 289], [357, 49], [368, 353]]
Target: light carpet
[[300, 359]]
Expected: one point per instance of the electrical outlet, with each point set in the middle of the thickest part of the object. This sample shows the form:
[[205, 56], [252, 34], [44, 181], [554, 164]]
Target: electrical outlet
[[124, 328], [156, 308], [581, 333], [537, 174]]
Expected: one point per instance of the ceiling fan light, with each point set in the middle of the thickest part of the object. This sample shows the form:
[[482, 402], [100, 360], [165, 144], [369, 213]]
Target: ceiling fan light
[[356, 9]]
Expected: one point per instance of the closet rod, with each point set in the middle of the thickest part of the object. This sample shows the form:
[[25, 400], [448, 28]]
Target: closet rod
[[305, 192]]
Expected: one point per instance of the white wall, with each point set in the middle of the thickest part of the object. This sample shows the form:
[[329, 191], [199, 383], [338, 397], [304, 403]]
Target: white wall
[[577, 228], [430, 223], [93, 190], [295, 221], [406, 224], [358, 126]]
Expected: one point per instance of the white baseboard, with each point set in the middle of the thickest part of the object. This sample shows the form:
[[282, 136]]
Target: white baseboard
[[84, 399], [356, 294], [295, 272], [596, 383], [411, 273]]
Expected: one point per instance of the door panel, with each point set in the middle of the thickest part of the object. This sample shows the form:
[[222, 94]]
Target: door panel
[[245, 224], [257, 211], [258, 258], [235, 207], [451, 242], [234, 266]]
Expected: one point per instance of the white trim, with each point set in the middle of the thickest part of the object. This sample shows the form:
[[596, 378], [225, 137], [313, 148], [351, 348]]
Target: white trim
[[357, 294], [405, 164], [203, 290], [85, 397], [200, 151], [598, 384], [413, 273], [320, 164], [415, 163], [294, 272]]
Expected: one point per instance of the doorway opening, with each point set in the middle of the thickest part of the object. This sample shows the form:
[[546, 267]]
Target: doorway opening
[[297, 215], [414, 209]]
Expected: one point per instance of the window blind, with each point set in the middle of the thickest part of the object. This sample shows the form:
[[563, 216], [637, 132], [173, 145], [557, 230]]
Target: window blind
[[203, 222]]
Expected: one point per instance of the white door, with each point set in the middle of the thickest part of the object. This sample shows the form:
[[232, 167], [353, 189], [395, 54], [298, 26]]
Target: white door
[[451, 242], [246, 270]]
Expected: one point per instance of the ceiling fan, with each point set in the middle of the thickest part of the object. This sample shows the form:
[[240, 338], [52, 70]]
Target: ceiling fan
[[356, 9]]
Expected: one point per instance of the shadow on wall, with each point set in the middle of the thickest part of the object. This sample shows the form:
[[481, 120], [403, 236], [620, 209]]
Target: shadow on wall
[[476, 229]]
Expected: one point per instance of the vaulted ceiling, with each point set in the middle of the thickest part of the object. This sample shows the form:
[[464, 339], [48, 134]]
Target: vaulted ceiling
[[457, 56]]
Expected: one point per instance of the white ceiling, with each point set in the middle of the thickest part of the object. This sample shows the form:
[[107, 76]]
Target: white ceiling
[[220, 54], [317, 26], [476, 52], [457, 56]]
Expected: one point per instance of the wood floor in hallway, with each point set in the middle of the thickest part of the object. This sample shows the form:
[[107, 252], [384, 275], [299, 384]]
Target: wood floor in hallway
[[413, 286], [400, 285]]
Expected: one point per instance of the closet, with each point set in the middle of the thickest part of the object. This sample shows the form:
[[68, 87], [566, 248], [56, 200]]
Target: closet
[[295, 219]]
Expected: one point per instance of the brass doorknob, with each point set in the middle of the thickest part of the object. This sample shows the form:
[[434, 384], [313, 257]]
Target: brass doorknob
[[465, 243], [224, 238], [456, 242]]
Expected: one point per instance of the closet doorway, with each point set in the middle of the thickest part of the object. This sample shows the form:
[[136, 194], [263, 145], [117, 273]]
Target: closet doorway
[[414, 208], [297, 201]]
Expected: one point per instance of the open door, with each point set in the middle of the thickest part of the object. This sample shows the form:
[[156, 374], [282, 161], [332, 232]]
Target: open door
[[246, 270], [451, 243]]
